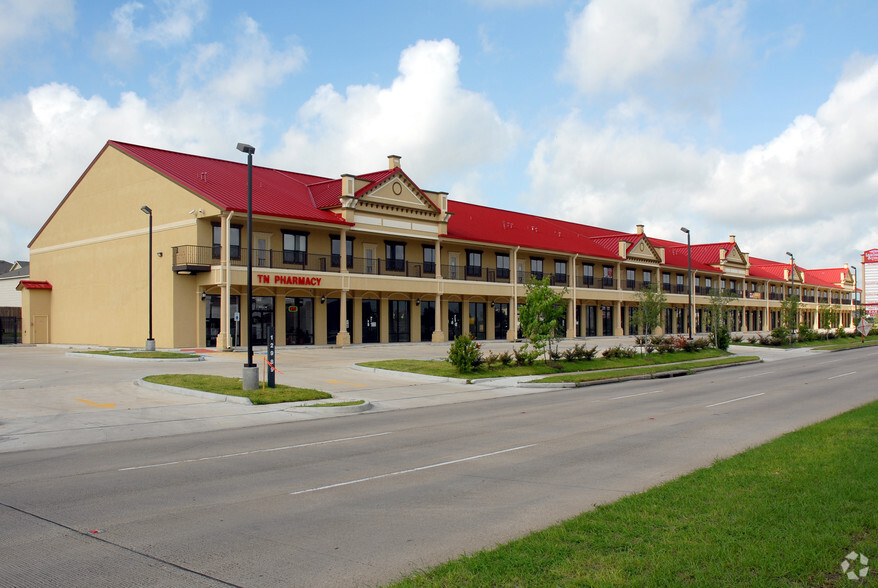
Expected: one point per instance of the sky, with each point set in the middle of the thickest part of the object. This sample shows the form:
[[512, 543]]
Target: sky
[[755, 118]]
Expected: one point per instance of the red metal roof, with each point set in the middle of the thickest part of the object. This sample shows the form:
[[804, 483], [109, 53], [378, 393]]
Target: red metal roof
[[473, 222], [275, 192]]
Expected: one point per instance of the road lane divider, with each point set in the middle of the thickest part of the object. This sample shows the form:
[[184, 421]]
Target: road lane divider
[[735, 400], [411, 470], [253, 452]]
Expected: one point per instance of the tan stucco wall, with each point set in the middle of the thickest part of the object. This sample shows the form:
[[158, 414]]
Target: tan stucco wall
[[94, 252]]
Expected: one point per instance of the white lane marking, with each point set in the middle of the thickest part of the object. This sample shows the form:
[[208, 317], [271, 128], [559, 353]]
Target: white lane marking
[[255, 451], [633, 395], [754, 375], [735, 400], [412, 470], [841, 375]]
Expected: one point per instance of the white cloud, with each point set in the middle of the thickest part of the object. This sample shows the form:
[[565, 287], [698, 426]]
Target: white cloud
[[52, 133], [618, 45], [425, 112], [32, 20], [170, 22], [810, 190]]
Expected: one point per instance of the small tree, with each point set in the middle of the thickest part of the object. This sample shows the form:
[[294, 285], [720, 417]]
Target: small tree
[[717, 318], [827, 316], [651, 304], [540, 316]]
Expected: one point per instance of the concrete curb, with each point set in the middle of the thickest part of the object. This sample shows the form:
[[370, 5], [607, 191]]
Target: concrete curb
[[655, 376], [314, 407], [115, 357], [195, 393], [424, 377], [301, 406]]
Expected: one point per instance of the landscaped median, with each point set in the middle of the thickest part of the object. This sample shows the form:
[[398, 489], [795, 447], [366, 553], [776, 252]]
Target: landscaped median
[[788, 513], [573, 371], [137, 354], [641, 373], [232, 387]]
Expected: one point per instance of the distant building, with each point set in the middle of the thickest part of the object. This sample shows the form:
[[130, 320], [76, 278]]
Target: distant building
[[357, 259], [11, 273]]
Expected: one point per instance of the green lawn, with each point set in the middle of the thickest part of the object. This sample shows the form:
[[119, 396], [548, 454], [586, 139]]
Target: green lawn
[[445, 369], [232, 387], [783, 514]]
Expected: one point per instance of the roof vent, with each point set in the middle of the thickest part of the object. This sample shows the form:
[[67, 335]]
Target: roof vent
[[204, 176]]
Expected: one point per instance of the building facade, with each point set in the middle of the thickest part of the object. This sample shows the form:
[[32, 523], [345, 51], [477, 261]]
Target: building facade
[[357, 259]]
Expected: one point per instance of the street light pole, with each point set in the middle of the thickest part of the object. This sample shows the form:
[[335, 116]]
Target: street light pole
[[689, 275], [250, 380], [792, 293], [150, 342]]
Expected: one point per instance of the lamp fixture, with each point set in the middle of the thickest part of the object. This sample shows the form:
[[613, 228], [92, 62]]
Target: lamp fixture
[[323, 300]]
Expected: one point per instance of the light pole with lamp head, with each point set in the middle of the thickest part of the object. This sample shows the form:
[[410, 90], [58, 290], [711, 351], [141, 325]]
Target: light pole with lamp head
[[792, 293], [250, 380], [689, 275], [150, 342]]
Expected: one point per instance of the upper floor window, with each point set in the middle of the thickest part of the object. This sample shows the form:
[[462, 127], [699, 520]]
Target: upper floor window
[[647, 278], [608, 275], [630, 277], [234, 241], [502, 265], [587, 274], [473, 262], [536, 267], [560, 271], [429, 259], [394, 256], [680, 287], [708, 283], [295, 247], [335, 251]]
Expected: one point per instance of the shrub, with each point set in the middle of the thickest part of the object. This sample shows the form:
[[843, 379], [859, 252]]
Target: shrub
[[465, 354], [754, 340], [700, 344], [522, 356], [780, 334], [806, 333], [505, 358], [721, 338], [738, 338], [619, 352]]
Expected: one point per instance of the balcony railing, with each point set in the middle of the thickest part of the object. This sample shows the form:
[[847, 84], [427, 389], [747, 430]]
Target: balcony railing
[[196, 258]]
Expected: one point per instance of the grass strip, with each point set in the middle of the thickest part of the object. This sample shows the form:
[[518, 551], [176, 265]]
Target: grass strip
[[232, 387], [142, 354], [443, 368], [626, 372], [783, 514]]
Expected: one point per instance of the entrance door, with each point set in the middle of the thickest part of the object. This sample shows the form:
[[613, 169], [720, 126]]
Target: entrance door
[[212, 313], [591, 321], [41, 329], [428, 319], [400, 321], [478, 323], [300, 321], [455, 321], [607, 320], [501, 319], [371, 321], [262, 317], [262, 253], [370, 252], [333, 318]]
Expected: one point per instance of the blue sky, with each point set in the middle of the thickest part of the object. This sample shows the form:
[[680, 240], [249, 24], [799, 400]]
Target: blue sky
[[752, 118]]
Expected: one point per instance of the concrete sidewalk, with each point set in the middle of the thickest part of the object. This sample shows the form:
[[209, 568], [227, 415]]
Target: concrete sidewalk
[[52, 398]]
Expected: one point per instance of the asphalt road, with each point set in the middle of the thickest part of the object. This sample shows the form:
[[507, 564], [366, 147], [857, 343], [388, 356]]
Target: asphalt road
[[361, 500]]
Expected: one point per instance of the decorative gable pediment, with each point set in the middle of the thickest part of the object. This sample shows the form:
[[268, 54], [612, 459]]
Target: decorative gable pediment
[[642, 250], [398, 193]]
